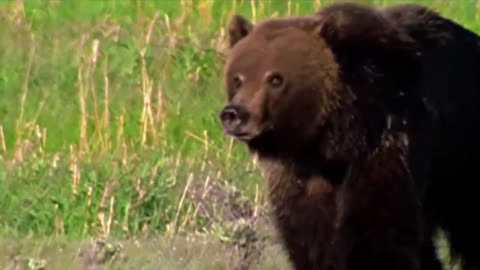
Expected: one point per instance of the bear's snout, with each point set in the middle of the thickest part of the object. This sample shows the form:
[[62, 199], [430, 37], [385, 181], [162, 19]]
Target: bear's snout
[[233, 117]]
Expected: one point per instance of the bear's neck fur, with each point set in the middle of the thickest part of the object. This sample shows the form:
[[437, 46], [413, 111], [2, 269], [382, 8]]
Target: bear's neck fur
[[306, 188], [302, 183], [335, 146]]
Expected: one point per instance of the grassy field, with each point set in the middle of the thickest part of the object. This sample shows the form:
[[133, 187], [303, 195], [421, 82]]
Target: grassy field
[[110, 150]]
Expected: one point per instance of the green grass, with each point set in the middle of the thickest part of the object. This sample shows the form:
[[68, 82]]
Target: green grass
[[108, 123]]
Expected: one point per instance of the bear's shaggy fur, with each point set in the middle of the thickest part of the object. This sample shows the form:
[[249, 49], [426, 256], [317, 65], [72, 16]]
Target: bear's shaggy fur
[[345, 113], [444, 139]]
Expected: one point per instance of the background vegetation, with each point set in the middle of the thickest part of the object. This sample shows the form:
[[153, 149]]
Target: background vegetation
[[110, 149]]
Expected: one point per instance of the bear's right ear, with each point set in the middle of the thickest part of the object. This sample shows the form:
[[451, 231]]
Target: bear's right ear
[[238, 28]]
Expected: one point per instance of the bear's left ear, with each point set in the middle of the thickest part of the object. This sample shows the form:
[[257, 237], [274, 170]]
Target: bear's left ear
[[342, 26], [238, 28], [350, 27]]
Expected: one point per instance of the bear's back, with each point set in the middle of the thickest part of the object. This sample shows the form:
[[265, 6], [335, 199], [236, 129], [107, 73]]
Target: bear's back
[[444, 132]]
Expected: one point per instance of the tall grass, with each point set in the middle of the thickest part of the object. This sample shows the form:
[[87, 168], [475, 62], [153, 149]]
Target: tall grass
[[108, 111]]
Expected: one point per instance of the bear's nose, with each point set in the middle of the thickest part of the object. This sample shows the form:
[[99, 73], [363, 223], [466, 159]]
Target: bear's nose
[[233, 116]]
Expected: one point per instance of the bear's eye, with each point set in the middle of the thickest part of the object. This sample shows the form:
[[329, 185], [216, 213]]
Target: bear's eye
[[275, 80], [237, 81]]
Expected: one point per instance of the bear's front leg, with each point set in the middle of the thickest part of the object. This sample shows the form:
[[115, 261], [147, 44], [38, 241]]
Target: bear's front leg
[[304, 212], [379, 220]]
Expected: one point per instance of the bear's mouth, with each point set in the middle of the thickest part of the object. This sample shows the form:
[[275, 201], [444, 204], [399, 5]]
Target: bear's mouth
[[241, 135], [248, 133]]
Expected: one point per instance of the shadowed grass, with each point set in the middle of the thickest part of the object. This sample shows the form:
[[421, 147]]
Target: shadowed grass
[[184, 253]]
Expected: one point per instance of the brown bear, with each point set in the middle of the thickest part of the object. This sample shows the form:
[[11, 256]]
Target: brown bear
[[345, 114], [316, 98]]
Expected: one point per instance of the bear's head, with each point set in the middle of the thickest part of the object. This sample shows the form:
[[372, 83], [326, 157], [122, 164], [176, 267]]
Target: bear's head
[[320, 81]]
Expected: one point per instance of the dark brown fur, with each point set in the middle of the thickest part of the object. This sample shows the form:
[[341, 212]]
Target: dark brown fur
[[444, 144], [334, 135], [328, 118], [378, 217]]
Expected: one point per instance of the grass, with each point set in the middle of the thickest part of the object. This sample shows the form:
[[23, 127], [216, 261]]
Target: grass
[[108, 131]]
